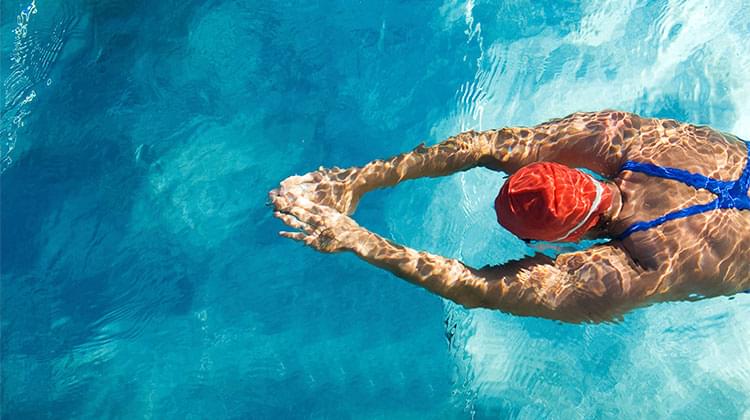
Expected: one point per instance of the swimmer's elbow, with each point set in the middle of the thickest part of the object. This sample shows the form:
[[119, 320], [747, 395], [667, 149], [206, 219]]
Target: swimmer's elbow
[[466, 286]]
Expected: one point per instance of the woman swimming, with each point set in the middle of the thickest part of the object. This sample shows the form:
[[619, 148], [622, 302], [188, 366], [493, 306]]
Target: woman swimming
[[671, 197]]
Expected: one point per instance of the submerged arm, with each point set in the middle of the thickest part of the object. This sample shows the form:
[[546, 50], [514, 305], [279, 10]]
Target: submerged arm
[[599, 284], [341, 189], [458, 153], [595, 140]]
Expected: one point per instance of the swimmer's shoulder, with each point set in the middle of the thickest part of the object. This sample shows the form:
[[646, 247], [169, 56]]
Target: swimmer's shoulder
[[646, 136]]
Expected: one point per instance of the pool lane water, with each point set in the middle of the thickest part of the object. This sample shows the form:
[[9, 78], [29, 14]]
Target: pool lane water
[[141, 271]]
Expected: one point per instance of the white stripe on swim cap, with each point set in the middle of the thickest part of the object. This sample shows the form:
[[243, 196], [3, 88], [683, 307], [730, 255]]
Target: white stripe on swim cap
[[594, 206]]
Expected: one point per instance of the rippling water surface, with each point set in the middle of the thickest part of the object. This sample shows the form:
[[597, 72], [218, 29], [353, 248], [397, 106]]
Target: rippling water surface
[[141, 273]]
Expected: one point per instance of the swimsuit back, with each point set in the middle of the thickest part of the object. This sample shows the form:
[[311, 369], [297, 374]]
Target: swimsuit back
[[729, 194]]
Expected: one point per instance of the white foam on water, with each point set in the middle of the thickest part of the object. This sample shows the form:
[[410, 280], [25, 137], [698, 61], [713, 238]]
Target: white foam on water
[[687, 359]]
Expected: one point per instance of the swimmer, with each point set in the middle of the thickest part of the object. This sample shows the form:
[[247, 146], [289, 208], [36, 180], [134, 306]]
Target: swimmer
[[671, 199]]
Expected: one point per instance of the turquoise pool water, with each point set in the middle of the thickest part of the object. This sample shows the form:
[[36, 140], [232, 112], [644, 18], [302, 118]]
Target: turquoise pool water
[[141, 272]]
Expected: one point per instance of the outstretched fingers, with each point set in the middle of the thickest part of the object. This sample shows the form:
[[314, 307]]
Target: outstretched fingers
[[308, 239], [297, 236], [310, 225], [308, 216], [294, 222]]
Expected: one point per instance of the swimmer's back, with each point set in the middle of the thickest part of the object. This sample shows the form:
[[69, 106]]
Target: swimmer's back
[[708, 252]]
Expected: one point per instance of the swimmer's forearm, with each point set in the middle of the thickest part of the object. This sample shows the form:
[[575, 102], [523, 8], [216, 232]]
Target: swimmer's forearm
[[508, 288], [534, 286], [446, 277], [459, 153]]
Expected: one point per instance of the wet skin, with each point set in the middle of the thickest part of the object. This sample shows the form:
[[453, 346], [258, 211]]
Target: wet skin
[[704, 255]]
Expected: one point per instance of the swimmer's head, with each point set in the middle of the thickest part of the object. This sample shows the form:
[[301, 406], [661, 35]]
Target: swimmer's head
[[548, 201]]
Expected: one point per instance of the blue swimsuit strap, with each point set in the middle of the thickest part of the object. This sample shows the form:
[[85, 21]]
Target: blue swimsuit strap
[[730, 194]]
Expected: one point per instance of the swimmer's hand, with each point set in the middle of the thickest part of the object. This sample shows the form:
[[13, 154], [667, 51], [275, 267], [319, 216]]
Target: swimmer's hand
[[320, 227], [339, 189]]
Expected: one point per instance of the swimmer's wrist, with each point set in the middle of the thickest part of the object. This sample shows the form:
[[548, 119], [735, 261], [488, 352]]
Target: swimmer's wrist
[[369, 177], [365, 243], [358, 241]]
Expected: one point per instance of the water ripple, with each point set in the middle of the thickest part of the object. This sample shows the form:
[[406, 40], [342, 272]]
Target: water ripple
[[35, 50]]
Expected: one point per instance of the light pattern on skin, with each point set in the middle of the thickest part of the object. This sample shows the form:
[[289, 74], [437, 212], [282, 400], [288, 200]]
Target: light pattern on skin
[[701, 256]]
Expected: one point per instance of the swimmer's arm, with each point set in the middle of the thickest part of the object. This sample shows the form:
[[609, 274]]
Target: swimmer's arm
[[605, 285], [443, 276], [458, 153], [598, 284], [596, 140], [341, 189], [593, 140]]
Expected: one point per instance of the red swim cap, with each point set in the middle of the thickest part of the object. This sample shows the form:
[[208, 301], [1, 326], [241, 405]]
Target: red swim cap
[[548, 201]]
